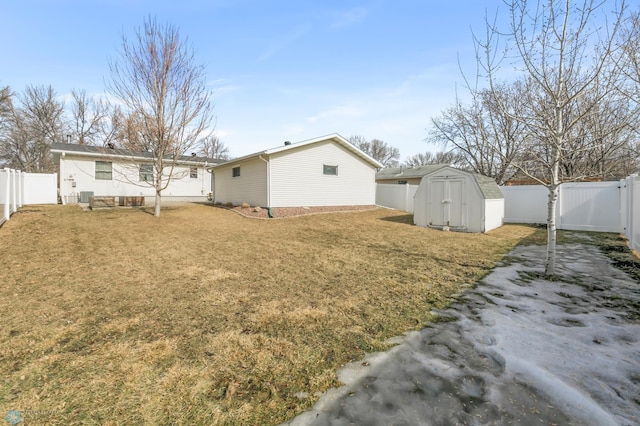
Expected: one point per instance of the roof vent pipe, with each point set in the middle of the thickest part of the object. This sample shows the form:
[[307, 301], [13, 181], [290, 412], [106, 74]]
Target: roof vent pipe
[[287, 143]]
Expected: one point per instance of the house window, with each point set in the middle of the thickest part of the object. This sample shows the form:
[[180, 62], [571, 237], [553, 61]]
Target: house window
[[193, 172], [104, 170], [146, 172], [329, 170], [235, 172]]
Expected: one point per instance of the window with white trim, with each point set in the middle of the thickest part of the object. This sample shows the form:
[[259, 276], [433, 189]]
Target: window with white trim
[[146, 172], [104, 170], [193, 172], [329, 170]]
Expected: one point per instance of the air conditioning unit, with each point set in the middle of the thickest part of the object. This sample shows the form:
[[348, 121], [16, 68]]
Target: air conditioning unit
[[85, 196]]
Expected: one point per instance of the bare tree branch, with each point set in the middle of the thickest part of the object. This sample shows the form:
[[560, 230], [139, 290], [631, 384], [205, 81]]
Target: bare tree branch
[[379, 150], [164, 94]]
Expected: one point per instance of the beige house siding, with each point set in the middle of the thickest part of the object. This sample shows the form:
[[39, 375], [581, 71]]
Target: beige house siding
[[250, 187], [297, 177]]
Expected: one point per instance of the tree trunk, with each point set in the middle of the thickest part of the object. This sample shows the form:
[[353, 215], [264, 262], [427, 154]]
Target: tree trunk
[[156, 211], [550, 266], [558, 144]]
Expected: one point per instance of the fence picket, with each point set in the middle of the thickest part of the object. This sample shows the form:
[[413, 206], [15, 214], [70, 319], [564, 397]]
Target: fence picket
[[18, 188], [592, 206]]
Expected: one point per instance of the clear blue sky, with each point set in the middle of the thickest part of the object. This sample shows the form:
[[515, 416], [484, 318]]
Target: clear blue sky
[[281, 70]]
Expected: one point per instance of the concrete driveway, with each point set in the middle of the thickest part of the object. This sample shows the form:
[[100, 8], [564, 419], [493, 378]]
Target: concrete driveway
[[518, 349]]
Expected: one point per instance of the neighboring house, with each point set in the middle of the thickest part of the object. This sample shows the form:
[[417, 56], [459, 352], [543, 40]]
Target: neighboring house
[[86, 171], [325, 171], [454, 199], [406, 175]]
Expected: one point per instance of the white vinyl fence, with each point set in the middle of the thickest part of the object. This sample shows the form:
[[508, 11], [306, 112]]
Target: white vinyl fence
[[18, 189], [581, 206], [10, 193], [399, 197]]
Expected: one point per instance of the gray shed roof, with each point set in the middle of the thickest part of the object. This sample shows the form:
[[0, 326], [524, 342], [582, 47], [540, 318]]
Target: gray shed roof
[[408, 172], [488, 186]]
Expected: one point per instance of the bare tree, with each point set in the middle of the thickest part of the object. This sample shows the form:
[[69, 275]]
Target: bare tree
[[630, 70], [6, 107], [212, 147], [379, 150], [441, 157], [165, 93], [5, 102], [484, 133], [31, 126], [630, 64], [565, 49], [113, 130], [90, 118]]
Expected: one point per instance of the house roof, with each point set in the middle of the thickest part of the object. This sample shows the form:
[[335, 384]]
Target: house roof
[[283, 148], [101, 151], [408, 172]]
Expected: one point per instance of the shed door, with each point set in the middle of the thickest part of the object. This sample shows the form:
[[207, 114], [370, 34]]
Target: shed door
[[446, 203], [435, 209], [456, 203]]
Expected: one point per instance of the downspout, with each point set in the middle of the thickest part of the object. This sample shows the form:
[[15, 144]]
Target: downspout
[[61, 179], [212, 182], [268, 185]]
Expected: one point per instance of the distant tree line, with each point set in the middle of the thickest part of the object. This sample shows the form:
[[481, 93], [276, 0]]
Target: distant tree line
[[30, 121], [389, 156], [571, 113]]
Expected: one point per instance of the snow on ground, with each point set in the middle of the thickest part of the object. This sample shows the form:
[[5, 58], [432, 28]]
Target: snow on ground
[[518, 349]]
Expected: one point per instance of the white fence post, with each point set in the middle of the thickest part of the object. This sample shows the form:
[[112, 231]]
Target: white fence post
[[5, 195], [12, 191], [633, 215], [21, 176]]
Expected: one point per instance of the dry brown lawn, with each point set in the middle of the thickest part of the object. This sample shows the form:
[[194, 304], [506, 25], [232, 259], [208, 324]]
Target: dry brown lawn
[[203, 316]]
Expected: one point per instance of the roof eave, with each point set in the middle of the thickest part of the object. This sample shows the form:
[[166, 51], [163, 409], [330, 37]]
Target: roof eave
[[120, 156], [336, 137]]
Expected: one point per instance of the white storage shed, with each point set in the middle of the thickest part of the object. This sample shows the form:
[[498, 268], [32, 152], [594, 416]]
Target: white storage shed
[[457, 200]]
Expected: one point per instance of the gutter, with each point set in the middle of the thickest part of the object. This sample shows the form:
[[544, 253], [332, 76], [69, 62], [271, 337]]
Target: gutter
[[124, 157]]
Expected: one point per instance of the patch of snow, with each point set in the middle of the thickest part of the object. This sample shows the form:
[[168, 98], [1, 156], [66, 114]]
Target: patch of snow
[[522, 349]]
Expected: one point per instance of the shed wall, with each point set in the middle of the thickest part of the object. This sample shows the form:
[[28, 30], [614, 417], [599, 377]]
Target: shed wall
[[476, 214], [493, 214]]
